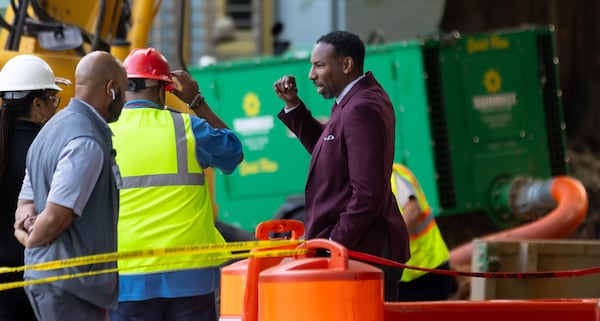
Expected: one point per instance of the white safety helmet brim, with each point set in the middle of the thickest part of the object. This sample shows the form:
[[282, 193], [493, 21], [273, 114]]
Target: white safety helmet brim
[[28, 72]]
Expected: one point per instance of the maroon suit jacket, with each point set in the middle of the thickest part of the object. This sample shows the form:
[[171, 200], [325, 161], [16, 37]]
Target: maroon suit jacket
[[348, 193]]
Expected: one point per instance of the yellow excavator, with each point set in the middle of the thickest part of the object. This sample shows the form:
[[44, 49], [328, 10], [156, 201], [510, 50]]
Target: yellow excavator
[[63, 31]]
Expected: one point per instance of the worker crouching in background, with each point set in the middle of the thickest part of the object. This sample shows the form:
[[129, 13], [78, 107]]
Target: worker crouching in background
[[427, 247]]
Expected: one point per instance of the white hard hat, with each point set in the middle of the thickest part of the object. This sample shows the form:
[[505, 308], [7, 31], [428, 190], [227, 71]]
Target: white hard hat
[[207, 60], [27, 72]]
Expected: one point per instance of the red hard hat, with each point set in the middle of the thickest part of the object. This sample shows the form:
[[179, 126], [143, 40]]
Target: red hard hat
[[150, 64]]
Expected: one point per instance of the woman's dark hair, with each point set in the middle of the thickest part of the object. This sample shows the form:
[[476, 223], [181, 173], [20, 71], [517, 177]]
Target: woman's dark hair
[[346, 44], [11, 110]]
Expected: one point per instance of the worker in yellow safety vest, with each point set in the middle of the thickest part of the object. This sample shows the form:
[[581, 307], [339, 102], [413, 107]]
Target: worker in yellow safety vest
[[427, 247], [162, 156]]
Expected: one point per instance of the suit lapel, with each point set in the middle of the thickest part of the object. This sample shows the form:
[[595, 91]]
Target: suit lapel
[[335, 109], [333, 120]]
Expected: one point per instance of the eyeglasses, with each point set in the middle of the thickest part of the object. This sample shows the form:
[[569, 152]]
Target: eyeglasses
[[54, 99]]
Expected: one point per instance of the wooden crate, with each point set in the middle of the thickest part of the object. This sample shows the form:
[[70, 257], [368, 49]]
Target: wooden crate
[[535, 256]]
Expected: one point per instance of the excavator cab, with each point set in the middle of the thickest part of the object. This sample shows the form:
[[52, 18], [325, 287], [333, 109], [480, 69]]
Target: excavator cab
[[63, 31], [67, 26]]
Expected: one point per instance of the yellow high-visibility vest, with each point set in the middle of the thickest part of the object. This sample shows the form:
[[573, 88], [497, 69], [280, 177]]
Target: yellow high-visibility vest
[[427, 247], [165, 200]]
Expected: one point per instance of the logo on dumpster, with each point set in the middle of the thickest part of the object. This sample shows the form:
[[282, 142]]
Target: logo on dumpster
[[251, 104], [253, 128], [492, 81]]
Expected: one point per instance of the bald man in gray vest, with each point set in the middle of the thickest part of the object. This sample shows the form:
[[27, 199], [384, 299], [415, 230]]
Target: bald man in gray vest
[[69, 202]]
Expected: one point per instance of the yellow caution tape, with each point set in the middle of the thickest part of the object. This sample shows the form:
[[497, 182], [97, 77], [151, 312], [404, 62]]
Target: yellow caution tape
[[160, 252], [258, 254]]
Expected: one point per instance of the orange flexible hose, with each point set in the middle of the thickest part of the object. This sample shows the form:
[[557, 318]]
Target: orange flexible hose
[[562, 221]]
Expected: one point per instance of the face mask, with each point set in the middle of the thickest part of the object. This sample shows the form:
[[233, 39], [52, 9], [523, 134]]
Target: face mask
[[116, 105]]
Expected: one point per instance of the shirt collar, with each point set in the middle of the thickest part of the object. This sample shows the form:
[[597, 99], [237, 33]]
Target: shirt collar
[[92, 108], [347, 89], [141, 103]]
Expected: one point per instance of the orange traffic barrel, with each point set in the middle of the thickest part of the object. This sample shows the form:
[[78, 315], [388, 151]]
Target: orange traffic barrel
[[234, 277], [321, 288]]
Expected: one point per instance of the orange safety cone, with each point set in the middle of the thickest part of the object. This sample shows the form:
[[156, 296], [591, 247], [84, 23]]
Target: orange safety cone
[[321, 289], [239, 300]]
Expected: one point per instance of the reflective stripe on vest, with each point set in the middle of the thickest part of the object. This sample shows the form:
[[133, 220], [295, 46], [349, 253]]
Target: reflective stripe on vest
[[427, 247], [182, 177], [404, 182]]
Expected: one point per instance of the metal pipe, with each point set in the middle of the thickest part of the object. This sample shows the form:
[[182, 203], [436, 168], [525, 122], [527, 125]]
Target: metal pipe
[[99, 24], [519, 199], [15, 37], [534, 198], [181, 64]]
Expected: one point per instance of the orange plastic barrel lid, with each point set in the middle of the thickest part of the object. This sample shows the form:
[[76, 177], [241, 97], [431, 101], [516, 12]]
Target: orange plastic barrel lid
[[332, 289]]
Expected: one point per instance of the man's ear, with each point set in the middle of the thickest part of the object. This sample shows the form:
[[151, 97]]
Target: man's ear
[[348, 65], [109, 89]]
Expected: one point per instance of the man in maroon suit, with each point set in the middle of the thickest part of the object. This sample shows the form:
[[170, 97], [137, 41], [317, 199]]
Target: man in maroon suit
[[348, 194]]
